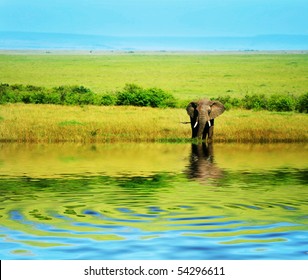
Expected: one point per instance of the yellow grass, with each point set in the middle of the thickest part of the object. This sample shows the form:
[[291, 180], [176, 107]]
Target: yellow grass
[[261, 126], [53, 123]]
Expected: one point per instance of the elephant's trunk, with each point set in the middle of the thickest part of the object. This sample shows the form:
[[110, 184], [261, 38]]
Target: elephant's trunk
[[202, 122]]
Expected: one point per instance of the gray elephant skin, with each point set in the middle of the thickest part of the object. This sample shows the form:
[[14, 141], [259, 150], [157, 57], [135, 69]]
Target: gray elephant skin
[[202, 114]]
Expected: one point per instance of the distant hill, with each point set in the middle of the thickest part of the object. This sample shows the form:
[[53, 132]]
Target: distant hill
[[53, 41]]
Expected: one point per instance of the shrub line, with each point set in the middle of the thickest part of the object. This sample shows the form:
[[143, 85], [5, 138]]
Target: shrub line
[[135, 95]]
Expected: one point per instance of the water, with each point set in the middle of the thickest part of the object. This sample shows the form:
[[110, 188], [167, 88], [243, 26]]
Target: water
[[153, 201]]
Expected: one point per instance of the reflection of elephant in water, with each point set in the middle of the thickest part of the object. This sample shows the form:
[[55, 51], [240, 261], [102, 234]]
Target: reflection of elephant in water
[[202, 114], [201, 163]]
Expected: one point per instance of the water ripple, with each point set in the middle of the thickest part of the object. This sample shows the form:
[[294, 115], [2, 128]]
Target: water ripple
[[204, 211]]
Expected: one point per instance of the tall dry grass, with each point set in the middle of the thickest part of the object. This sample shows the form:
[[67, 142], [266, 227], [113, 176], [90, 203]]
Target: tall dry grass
[[262, 126], [53, 123]]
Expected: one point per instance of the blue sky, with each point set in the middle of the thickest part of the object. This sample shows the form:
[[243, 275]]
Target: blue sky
[[156, 17]]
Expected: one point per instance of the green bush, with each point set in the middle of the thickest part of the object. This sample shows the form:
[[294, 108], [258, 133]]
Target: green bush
[[74, 95], [229, 102], [10, 94], [7, 95], [26, 97], [53, 98], [17, 87], [302, 103], [137, 96], [255, 102], [104, 99], [281, 103], [159, 98], [131, 95], [31, 88]]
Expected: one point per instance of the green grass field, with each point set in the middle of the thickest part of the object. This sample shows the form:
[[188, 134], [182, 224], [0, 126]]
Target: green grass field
[[186, 76]]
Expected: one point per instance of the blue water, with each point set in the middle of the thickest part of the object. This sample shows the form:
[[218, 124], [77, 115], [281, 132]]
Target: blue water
[[202, 206]]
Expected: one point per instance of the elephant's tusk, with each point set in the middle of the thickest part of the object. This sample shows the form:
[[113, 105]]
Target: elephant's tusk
[[209, 122], [195, 124]]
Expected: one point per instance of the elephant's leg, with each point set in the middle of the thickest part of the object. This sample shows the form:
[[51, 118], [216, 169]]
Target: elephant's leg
[[193, 133], [211, 134], [194, 130], [211, 131]]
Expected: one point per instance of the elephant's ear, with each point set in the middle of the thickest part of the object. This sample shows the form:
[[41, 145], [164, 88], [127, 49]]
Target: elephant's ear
[[217, 108], [191, 107]]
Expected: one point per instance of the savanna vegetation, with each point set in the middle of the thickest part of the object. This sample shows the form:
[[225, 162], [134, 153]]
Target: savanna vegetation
[[185, 76], [135, 95], [86, 124], [265, 96]]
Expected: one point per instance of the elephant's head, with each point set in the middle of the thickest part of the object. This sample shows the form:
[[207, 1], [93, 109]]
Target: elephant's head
[[203, 111]]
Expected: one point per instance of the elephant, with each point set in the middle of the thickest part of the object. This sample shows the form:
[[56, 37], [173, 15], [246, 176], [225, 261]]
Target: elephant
[[202, 114]]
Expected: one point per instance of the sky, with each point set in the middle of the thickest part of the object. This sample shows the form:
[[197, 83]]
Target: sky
[[156, 17]]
